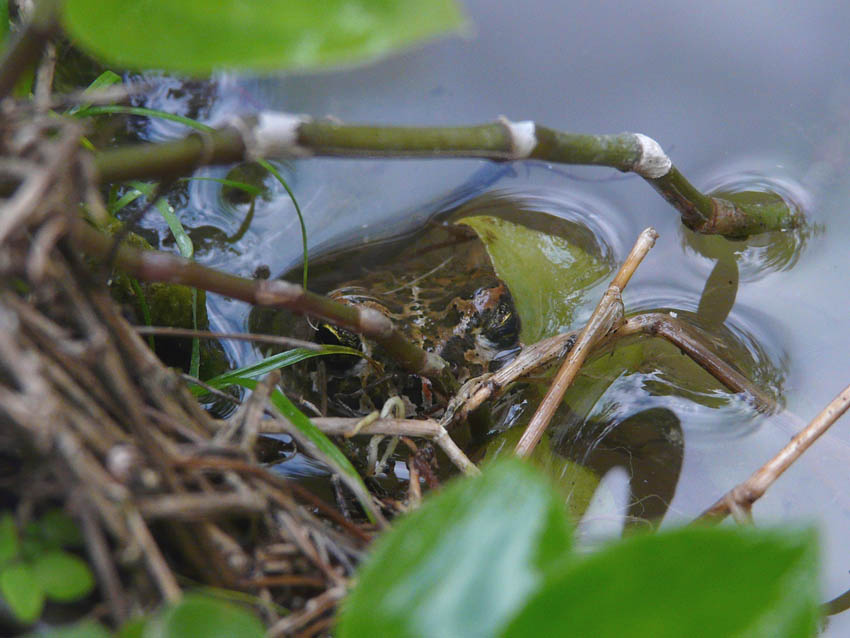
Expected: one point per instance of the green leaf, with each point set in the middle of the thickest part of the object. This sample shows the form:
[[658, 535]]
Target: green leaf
[[200, 617], [463, 563], [691, 582], [84, 629], [546, 274], [21, 591], [63, 577], [57, 529], [9, 541], [273, 362], [134, 628], [200, 36], [184, 242], [4, 20]]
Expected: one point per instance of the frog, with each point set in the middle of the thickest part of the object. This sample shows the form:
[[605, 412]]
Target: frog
[[438, 287]]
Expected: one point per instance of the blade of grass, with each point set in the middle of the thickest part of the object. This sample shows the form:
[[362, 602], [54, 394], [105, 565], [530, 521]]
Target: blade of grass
[[271, 169], [273, 362], [143, 304], [248, 188], [117, 109], [125, 200], [331, 454]]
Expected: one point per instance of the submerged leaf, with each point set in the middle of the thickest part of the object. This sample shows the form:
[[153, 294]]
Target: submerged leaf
[[546, 273], [200, 36], [464, 562]]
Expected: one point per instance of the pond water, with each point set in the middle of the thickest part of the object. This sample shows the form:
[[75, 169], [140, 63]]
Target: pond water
[[738, 95]]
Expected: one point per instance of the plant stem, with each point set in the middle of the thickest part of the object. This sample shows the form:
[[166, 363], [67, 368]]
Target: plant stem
[[272, 134], [151, 265], [26, 47]]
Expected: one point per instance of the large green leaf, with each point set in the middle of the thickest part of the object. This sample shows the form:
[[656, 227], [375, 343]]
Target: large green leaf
[[464, 562], [204, 617], [21, 591], [63, 576], [692, 582], [199, 36], [9, 540], [83, 629], [546, 274]]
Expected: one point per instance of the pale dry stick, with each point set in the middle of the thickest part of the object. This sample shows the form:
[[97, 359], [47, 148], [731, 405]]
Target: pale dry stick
[[165, 580], [422, 428], [741, 497], [168, 331], [100, 556], [651, 324], [314, 608], [477, 390], [249, 414], [200, 507], [606, 317]]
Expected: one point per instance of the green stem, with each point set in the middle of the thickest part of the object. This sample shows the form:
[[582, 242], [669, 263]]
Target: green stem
[[27, 46], [273, 134]]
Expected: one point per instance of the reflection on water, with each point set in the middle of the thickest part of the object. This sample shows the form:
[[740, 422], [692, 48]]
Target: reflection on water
[[762, 254]]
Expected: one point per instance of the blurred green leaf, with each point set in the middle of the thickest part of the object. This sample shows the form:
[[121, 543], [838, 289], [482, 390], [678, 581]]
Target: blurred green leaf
[[134, 628], [199, 36], [200, 617], [546, 274], [691, 582], [62, 576], [57, 529], [463, 563], [9, 541], [4, 20], [84, 629], [21, 591]]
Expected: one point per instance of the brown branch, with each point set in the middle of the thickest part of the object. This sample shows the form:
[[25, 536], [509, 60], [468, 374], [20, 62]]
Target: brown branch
[[741, 497], [607, 315], [149, 265]]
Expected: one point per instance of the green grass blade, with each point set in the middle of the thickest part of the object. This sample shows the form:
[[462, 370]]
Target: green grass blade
[[271, 169], [273, 362], [331, 454]]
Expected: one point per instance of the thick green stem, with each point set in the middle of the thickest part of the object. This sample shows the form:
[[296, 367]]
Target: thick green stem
[[150, 265], [277, 134]]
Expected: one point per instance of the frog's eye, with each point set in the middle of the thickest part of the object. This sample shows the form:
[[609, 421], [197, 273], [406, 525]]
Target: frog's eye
[[502, 326], [331, 335]]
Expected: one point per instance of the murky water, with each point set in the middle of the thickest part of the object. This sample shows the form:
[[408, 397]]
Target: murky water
[[740, 96]]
